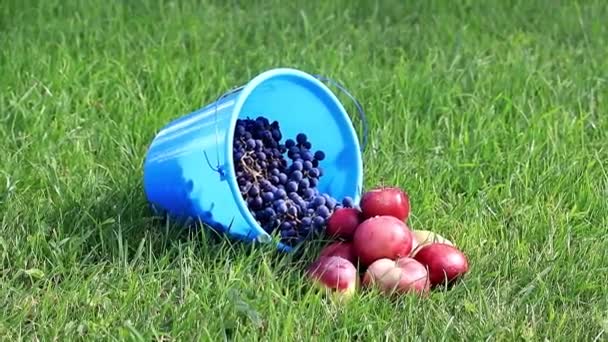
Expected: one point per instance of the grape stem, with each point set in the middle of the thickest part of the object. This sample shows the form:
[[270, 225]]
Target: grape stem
[[255, 173]]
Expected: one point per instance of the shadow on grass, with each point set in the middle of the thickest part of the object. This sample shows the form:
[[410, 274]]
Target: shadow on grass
[[119, 226]]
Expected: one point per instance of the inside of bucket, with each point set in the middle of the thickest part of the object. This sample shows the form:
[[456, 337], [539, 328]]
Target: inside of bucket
[[301, 106]]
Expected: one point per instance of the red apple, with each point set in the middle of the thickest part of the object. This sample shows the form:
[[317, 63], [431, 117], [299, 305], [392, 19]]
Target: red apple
[[343, 222], [401, 276], [382, 237], [335, 274], [444, 262], [341, 249], [389, 201]]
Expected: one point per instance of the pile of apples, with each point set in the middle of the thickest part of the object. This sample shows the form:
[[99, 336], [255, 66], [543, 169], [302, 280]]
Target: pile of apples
[[391, 256]]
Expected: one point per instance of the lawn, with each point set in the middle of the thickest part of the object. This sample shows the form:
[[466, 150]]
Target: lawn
[[491, 114]]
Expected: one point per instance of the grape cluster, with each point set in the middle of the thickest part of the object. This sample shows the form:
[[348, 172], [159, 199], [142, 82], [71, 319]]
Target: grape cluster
[[279, 180]]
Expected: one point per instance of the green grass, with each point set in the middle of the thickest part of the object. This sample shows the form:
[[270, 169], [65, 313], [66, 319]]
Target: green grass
[[491, 114]]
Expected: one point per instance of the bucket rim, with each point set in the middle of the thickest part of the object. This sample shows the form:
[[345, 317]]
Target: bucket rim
[[244, 94]]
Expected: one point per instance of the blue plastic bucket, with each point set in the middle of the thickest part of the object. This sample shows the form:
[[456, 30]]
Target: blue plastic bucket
[[189, 171]]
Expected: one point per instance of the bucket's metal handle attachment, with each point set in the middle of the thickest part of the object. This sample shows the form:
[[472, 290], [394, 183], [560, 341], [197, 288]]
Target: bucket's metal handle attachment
[[360, 110], [219, 168]]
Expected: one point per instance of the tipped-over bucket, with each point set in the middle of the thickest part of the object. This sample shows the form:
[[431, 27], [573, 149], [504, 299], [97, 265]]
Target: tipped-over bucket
[[189, 171]]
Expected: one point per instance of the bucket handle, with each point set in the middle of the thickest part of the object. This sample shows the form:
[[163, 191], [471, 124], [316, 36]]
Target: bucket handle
[[219, 168], [360, 110]]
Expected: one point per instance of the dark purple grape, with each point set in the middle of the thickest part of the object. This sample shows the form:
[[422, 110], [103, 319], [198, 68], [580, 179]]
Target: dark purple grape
[[267, 213], [307, 156], [260, 155], [248, 136], [315, 163], [306, 221], [310, 211], [295, 156], [301, 138], [275, 172], [274, 179], [314, 172], [280, 193], [318, 221], [288, 233], [291, 187], [292, 151], [297, 166], [292, 210], [260, 215], [319, 155], [254, 190], [318, 201], [323, 211], [309, 193], [303, 205], [257, 202], [250, 143], [313, 182], [283, 178], [262, 120], [238, 155], [289, 143], [297, 175], [304, 183], [268, 196], [276, 134], [306, 231], [281, 208], [240, 130], [270, 212], [285, 226], [267, 187], [307, 145], [307, 165], [348, 202]]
